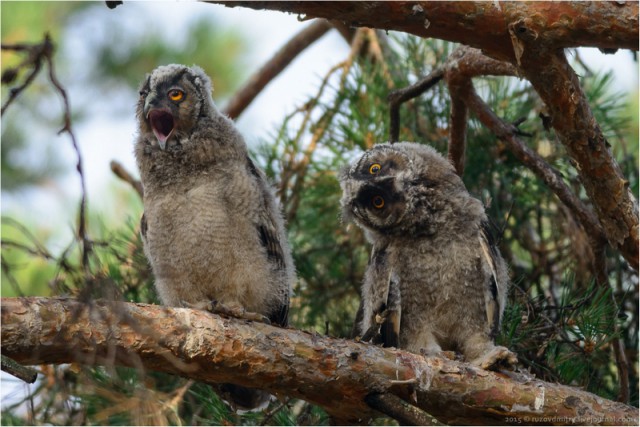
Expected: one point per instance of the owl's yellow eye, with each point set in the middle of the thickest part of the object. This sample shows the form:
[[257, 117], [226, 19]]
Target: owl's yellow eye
[[378, 202], [176, 94], [374, 169]]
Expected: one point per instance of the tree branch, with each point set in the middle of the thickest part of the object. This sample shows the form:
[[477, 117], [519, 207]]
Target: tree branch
[[274, 66], [466, 63], [400, 96], [572, 118], [24, 373], [336, 374], [37, 54], [481, 24], [398, 409], [532, 36], [123, 174]]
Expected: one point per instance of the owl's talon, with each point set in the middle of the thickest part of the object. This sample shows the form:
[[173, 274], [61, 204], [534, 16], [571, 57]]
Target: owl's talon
[[237, 311], [498, 356], [227, 310], [200, 305]]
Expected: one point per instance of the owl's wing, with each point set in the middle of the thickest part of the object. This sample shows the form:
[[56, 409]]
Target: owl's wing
[[384, 285], [143, 229], [269, 239], [492, 305], [390, 328]]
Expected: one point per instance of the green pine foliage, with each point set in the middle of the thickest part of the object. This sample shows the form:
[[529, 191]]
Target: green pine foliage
[[558, 320]]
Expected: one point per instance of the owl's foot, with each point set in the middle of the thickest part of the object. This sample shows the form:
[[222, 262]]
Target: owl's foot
[[385, 330], [497, 356], [437, 352], [229, 310]]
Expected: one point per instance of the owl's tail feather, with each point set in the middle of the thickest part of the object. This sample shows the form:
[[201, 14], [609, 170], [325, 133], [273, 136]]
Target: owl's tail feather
[[243, 399]]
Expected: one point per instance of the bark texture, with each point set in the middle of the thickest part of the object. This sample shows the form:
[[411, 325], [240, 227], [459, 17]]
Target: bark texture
[[481, 24], [336, 374]]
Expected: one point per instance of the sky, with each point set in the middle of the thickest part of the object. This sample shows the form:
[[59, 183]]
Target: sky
[[103, 138]]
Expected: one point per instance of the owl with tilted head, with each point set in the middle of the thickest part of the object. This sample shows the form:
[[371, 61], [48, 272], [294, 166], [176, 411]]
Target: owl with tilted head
[[435, 281]]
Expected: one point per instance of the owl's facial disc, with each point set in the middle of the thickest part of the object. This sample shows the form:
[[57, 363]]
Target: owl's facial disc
[[162, 124]]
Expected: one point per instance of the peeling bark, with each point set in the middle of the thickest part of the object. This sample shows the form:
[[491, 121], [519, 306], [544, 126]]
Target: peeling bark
[[336, 374]]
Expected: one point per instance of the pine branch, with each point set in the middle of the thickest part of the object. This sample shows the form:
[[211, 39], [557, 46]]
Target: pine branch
[[334, 373], [572, 118], [400, 96], [531, 36]]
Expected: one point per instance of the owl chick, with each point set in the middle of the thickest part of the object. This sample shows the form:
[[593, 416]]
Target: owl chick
[[435, 281], [211, 228]]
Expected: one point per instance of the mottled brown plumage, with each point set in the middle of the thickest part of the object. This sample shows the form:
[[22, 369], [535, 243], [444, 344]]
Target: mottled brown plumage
[[212, 230], [435, 281]]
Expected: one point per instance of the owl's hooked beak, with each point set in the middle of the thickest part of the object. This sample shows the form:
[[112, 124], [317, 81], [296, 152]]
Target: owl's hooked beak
[[162, 125]]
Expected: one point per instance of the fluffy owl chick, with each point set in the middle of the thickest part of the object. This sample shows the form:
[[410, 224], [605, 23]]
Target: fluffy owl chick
[[435, 281], [211, 228]]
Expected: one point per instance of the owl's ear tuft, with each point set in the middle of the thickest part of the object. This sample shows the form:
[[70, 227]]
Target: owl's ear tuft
[[201, 79], [146, 85]]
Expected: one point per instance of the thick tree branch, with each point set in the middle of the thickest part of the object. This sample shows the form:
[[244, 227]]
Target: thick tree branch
[[481, 24], [334, 373]]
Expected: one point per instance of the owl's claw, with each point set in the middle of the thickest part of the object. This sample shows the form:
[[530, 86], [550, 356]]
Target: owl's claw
[[228, 310], [497, 356]]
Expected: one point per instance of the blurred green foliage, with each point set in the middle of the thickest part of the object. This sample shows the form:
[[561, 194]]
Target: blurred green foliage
[[560, 323]]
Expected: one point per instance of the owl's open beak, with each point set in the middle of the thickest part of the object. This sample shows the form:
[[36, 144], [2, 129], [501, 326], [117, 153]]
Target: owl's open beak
[[162, 124]]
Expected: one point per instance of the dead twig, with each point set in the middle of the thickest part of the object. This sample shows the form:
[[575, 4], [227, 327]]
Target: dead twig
[[400, 96], [36, 55]]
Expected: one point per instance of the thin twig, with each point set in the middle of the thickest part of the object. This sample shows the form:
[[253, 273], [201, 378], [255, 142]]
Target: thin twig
[[269, 416], [551, 177], [34, 60], [275, 65], [398, 97], [302, 166], [82, 214], [36, 54], [123, 174]]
